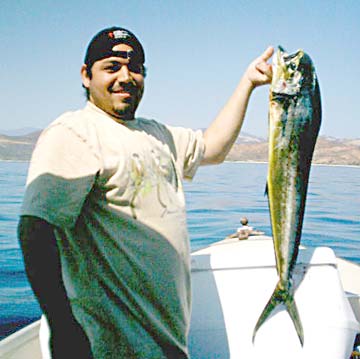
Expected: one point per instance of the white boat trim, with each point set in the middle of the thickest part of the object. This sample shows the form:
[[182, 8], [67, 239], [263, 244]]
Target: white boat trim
[[22, 344]]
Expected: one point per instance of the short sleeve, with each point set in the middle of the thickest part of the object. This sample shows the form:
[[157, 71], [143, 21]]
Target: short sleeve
[[62, 172], [190, 148]]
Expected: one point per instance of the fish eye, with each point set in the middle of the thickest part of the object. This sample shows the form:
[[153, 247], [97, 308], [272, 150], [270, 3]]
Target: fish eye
[[292, 66]]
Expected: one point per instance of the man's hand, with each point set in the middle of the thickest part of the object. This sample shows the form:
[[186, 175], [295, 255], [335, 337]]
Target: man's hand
[[259, 71], [223, 131]]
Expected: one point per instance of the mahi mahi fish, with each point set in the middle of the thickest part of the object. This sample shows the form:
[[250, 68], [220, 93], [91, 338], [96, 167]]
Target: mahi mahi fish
[[294, 122]]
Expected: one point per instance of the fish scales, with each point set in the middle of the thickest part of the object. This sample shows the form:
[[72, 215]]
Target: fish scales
[[294, 123]]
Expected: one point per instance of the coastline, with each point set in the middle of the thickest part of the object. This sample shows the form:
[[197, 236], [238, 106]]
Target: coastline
[[247, 149], [232, 161], [15, 161], [313, 164]]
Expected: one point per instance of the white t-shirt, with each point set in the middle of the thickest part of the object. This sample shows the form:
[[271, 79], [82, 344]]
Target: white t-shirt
[[114, 194]]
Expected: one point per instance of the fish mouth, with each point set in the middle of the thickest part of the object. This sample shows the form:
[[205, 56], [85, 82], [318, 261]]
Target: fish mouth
[[284, 57], [292, 56], [286, 73]]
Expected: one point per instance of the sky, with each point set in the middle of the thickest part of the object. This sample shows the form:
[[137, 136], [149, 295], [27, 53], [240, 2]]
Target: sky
[[196, 53]]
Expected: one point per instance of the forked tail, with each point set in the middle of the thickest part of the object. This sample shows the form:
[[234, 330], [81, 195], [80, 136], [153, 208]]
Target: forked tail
[[281, 296]]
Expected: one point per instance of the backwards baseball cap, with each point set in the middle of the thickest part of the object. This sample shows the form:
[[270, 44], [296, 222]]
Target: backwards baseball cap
[[102, 44]]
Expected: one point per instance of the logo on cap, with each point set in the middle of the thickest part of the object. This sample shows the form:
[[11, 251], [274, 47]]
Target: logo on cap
[[119, 34]]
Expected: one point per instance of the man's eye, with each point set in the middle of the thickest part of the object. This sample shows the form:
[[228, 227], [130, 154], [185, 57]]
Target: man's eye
[[135, 67], [112, 68]]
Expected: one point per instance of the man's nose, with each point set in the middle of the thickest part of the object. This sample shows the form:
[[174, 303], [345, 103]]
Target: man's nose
[[124, 74]]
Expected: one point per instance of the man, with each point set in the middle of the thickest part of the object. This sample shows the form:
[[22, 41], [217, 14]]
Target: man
[[103, 224]]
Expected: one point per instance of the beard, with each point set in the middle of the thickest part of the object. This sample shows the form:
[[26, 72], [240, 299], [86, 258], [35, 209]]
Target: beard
[[127, 112]]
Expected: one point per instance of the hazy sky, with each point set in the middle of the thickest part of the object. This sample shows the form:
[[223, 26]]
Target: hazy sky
[[196, 52]]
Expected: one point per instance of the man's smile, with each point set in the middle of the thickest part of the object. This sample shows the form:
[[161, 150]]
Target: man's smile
[[121, 93]]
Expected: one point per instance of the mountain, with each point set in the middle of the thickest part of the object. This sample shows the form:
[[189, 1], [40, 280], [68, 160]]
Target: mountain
[[247, 148], [20, 131], [18, 148], [245, 137], [328, 151]]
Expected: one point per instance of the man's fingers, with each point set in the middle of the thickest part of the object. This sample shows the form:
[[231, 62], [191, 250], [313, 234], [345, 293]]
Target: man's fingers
[[264, 68], [267, 54]]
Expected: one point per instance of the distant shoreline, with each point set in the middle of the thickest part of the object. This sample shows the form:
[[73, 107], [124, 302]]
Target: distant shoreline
[[228, 161], [313, 164], [246, 149], [16, 161]]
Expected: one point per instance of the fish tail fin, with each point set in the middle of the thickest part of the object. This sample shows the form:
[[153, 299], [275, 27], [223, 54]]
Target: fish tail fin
[[273, 302], [285, 297], [294, 314]]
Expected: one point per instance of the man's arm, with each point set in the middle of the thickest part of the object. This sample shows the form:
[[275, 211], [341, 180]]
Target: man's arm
[[43, 268], [224, 130]]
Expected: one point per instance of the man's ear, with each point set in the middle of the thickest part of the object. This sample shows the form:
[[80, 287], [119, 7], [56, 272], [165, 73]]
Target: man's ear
[[85, 76]]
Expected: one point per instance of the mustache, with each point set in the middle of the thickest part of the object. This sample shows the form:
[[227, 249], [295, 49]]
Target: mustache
[[123, 86]]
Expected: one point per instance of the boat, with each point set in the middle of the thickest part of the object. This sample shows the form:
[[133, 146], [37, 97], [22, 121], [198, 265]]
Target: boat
[[232, 282]]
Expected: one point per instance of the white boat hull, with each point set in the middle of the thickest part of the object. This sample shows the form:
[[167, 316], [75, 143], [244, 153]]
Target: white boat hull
[[232, 281]]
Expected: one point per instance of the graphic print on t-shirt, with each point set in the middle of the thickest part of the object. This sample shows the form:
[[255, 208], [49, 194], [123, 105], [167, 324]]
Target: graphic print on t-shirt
[[159, 173]]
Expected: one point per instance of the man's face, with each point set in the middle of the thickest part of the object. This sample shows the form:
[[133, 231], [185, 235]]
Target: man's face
[[116, 85]]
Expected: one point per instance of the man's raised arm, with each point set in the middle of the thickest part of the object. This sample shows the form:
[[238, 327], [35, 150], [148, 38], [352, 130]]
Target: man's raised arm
[[223, 131]]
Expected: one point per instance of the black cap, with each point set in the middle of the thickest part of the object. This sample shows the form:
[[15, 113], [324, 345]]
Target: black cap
[[101, 45]]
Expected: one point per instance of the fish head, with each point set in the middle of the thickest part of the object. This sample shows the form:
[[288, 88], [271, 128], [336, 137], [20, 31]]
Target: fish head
[[292, 73]]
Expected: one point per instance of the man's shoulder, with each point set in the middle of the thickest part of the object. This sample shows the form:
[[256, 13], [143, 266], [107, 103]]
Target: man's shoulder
[[170, 131], [71, 118], [146, 123], [154, 128], [77, 122]]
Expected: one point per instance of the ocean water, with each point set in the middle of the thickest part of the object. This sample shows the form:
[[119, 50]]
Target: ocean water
[[216, 200]]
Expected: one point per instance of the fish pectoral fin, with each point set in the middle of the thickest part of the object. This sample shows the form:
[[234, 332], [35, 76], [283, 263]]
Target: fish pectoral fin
[[285, 297], [266, 190]]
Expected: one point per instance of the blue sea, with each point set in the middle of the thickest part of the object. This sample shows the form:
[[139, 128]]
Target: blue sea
[[216, 200]]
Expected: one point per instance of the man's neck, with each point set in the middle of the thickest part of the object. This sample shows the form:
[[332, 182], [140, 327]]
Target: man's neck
[[122, 119]]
